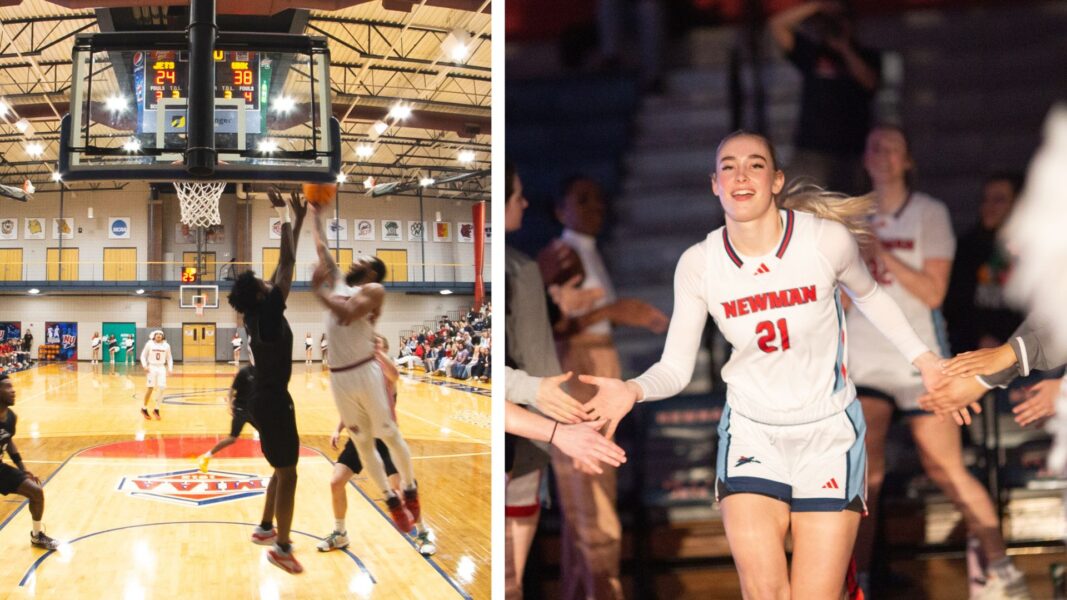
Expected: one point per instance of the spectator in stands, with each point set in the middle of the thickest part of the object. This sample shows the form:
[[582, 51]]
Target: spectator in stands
[[840, 79], [592, 534], [977, 312], [27, 341]]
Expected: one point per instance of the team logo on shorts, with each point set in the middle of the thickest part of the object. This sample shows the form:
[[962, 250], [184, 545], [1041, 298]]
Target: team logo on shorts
[[744, 460], [191, 487]]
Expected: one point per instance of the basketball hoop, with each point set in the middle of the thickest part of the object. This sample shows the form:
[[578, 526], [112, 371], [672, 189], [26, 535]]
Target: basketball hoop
[[200, 202], [198, 304]]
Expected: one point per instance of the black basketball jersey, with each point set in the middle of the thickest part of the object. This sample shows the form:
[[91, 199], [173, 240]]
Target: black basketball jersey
[[7, 431], [271, 341], [242, 387]]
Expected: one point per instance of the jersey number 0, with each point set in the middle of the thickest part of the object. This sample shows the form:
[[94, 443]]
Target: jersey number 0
[[767, 333]]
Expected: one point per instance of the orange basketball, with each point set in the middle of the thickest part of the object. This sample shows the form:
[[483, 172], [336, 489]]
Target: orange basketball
[[320, 193]]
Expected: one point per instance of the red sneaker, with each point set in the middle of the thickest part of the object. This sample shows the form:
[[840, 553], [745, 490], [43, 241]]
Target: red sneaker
[[144, 413], [156, 413], [400, 514], [264, 537], [411, 502], [284, 560]]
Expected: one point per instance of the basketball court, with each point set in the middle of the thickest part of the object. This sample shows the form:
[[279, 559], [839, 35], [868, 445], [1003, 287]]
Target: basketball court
[[141, 144]]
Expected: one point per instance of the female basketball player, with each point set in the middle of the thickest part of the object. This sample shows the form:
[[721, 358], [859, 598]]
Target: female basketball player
[[912, 263], [308, 342], [791, 455], [236, 342]]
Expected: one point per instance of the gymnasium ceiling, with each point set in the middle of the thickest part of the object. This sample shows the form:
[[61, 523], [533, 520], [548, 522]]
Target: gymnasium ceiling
[[382, 52]]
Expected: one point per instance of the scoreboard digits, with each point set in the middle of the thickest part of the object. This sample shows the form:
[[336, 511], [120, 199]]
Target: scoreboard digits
[[236, 76]]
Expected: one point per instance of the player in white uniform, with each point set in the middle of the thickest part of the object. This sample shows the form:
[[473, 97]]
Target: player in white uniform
[[791, 455], [157, 360], [354, 301], [912, 263], [237, 343]]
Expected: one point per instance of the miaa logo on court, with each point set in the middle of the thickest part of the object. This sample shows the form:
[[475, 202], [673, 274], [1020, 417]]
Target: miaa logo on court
[[193, 488]]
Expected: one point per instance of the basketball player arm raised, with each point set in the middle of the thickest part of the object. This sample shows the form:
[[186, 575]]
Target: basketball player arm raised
[[325, 258], [283, 272], [367, 301], [615, 398]]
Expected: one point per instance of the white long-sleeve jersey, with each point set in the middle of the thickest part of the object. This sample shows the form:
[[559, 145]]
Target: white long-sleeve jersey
[[782, 314], [157, 354]]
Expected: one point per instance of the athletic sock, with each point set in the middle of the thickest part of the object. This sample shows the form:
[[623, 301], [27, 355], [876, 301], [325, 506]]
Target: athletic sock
[[420, 528], [37, 527], [285, 548], [208, 454], [266, 526], [339, 525]]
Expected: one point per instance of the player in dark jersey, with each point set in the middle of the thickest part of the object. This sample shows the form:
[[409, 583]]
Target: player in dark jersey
[[19, 480], [270, 341], [240, 390]]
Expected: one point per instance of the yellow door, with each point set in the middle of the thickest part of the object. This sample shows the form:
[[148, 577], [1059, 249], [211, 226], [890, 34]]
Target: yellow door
[[396, 264], [198, 342], [270, 261], [10, 264], [208, 273], [120, 264], [69, 266]]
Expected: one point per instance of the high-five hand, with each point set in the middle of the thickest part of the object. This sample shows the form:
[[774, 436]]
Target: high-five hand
[[614, 400]]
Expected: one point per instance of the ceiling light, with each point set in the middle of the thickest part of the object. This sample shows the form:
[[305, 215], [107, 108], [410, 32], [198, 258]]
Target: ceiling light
[[399, 112], [267, 146], [380, 127], [116, 104], [446, 292], [4, 107], [24, 127], [34, 291], [132, 145], [34, 149], [283, 104], [342, 177], [364, 151], [457, 45], [466, 156], [140, 292], [56, 176], [427, 181], [368, 182]]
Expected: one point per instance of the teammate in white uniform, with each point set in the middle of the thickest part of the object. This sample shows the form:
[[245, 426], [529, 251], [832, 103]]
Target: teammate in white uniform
[[791, 453], [355, 301], [912, 263], [158, 361]]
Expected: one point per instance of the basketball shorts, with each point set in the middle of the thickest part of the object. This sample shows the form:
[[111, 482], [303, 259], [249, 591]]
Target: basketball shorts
[[237, 423], [522, 494], [813, 467], [361, 399], [349, 457], [275, 418], [157, 377], [10, 478]]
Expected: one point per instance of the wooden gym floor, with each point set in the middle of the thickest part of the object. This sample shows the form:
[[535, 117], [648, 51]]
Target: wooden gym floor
[[140, 521]]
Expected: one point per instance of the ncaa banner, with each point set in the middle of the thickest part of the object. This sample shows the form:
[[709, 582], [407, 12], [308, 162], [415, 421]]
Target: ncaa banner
[[118, 228]]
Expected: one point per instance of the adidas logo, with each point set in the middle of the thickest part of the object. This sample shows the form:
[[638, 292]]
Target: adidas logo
[[831, 485], [762, 269]]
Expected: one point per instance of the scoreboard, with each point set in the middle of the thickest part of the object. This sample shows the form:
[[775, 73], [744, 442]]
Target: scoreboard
[[161, 83]]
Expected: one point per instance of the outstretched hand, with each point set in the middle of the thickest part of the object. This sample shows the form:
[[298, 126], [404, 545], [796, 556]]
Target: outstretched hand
[[1040, 402], [614, 400], [980, 362], [954, 396], [557, 404], [587, 447], [300, 208]]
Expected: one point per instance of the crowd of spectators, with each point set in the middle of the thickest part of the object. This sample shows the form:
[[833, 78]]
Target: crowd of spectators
[[459, 349], [13, 357]]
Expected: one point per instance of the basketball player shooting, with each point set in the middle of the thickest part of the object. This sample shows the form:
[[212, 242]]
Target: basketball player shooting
[[354, 302]]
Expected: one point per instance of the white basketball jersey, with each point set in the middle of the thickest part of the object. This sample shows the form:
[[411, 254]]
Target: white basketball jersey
[[157, 352], [920, 230], [350, 343], [782, 315]]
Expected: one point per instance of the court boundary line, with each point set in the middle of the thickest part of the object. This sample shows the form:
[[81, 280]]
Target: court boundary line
[[455, 585], [33, 568]]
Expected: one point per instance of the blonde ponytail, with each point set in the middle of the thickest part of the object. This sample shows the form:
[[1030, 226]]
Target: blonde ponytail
[[851, 211]]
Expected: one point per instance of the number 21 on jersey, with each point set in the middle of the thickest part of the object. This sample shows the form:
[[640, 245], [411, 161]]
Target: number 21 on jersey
[[768, 334]]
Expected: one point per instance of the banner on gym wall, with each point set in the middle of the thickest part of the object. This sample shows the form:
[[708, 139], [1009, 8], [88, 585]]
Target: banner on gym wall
[[10, 330], [64, 334]]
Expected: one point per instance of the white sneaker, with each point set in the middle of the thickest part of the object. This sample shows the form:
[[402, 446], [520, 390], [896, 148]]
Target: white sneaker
[[264, 537], [334, 541], [1012, 588], [424, 542]]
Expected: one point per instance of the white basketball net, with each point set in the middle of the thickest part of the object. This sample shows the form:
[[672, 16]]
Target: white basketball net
[[200, 202]]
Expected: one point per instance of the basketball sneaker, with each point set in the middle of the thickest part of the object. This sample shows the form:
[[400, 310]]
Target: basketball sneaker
[[401, 515], [424, 542], [411, 502], [203, 460], [1009, 588], [144, 413], [41, 540], [284, 560], [334, 541], [264, 537], [156, 413]]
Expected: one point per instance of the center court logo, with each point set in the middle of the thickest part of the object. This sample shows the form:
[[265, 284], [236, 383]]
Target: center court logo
[[193, 488]]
